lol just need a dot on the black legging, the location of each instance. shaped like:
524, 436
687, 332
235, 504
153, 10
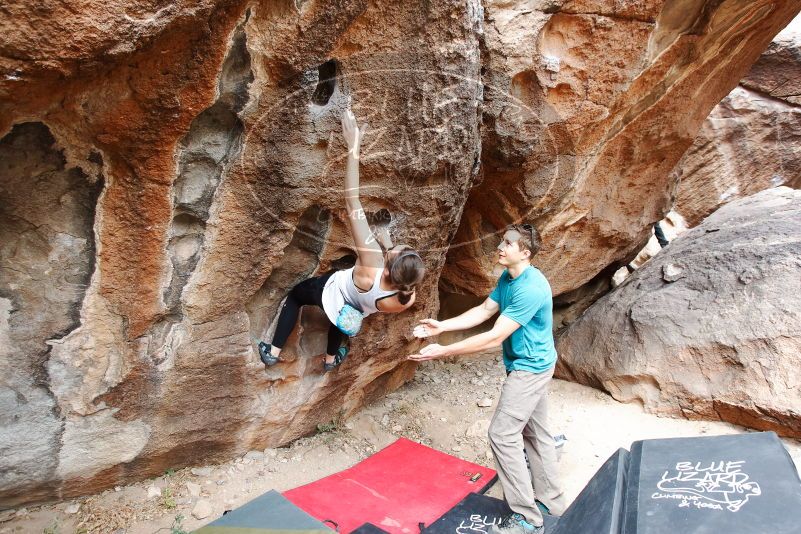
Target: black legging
307, 292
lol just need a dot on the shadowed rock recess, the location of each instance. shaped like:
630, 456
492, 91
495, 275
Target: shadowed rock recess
710, 327
170, 170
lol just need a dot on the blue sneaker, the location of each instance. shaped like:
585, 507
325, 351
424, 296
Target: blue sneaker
516, 524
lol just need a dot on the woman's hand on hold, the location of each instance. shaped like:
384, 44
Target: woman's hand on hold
352, 132
428, 328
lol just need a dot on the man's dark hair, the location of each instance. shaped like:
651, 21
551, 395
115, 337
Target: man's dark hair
529, 237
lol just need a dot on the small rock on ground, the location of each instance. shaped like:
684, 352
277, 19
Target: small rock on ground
201, 471
202, 509
486, 402
255, 456
194, 489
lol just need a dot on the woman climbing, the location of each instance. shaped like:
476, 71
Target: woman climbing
379, 282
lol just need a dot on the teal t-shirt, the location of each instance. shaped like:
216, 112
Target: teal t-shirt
527, 300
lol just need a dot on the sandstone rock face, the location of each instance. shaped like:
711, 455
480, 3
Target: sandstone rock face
170, 170
752, 140
168, 179
710, 327
47, 256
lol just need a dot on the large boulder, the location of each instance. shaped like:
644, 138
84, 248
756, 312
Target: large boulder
752, 140
710, 327
166, 180
169, 170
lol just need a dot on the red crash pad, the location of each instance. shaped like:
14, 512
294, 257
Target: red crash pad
395, 489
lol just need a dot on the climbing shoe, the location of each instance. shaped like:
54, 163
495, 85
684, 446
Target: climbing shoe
339, 357
544, 510
267, 357
516, 524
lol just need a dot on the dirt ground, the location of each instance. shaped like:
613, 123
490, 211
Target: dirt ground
439, 408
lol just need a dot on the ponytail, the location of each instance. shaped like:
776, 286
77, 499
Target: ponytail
405, 294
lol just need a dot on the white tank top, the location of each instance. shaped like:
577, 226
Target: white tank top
340, 289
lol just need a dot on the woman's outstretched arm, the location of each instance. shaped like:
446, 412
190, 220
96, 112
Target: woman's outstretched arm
368, 250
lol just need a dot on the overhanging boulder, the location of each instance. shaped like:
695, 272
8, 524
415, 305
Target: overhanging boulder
710, 328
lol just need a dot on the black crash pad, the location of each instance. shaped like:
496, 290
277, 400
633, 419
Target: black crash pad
475, 514
369, 528
270, 513
737, 484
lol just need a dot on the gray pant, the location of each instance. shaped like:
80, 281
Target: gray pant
521, 420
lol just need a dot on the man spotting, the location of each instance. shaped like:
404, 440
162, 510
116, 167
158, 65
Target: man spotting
524, 328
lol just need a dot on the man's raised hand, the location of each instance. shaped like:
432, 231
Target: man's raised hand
427, 328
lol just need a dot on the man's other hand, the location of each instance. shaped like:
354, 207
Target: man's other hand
429, 352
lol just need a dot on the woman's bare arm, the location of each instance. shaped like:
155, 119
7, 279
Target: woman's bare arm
368, 251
